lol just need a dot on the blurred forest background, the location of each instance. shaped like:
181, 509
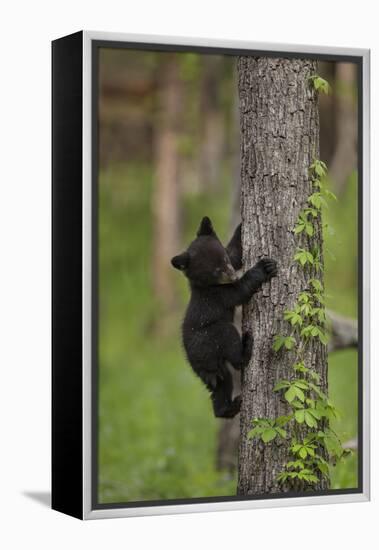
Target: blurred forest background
169, 154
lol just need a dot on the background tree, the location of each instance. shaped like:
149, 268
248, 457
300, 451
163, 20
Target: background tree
165, 200
344, 160
211, 121
279, 142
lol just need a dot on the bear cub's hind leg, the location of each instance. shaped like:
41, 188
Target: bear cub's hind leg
223, 405
239, 356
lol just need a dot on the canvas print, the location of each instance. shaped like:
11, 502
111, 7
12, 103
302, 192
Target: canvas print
227, 268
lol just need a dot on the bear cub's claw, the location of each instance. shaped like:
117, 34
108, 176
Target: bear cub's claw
269, 268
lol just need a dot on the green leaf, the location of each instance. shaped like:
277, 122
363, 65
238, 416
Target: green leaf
293, 317
312, 211
300, 367
299, 393
304, 297
310, 450
309, 419
283, 476
281, 384
316, 284
296, 404
289, 342
299, 416
333, 444
281, 432
290, 394
303, 384
323, 338
299, 228
278, 342
317, 390
268, 435
295, 464
320, 298
306, 331
310, 258
296, 319
302, 452
329, 194
324, 468
303, 256
314, 376
283, 420
306, 309
320, 85
317, 200
315, 413
310, 403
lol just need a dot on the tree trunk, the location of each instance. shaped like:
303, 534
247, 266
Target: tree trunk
279, 141
165, 203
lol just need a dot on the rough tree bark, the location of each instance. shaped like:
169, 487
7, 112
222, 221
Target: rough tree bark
279, 141
165, 201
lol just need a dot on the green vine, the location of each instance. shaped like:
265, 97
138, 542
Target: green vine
320, 84
314, 445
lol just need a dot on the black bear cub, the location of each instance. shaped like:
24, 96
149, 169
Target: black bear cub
210, 339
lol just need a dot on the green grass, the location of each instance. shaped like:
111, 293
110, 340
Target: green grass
157, 433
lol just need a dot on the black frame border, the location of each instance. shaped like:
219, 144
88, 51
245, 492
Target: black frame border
67, 257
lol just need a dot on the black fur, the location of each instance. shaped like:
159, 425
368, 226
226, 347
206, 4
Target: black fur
209, 336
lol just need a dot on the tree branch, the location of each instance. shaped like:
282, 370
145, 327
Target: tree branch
344, 332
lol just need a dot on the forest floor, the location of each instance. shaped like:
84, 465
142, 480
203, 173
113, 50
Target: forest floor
157, 433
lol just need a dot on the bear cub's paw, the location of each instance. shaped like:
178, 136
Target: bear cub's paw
268, 267
235, 407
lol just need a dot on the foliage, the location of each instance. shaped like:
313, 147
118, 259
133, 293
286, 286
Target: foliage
320, 84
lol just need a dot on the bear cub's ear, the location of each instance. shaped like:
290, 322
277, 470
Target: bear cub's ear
206, 227
181, 261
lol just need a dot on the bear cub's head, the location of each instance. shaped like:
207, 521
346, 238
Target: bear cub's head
206, 262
